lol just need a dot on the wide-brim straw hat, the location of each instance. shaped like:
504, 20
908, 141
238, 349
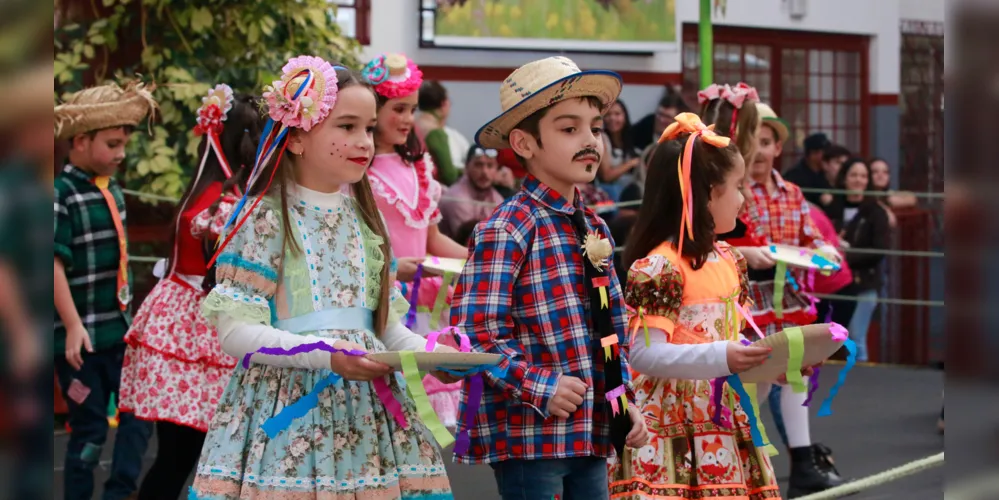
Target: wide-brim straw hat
107, 106
770, 118
540, 84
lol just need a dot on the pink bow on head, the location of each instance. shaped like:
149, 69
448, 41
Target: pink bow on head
739, 94
714, 91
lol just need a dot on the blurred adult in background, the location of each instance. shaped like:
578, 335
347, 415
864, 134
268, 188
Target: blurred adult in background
26, 176
473, 197
881, 181
622, 166
862, 223
649, 128
808, 173
447, 147
832, 160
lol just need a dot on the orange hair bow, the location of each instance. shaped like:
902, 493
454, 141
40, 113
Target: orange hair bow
689, 123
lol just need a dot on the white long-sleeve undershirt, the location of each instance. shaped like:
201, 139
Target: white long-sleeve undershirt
662, 359
239, 338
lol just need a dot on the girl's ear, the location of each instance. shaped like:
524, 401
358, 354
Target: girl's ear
295, 145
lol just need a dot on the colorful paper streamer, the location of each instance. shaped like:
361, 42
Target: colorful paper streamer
601, 283
274, 425
392, 404
717, 390
795, 358
613, 395
411, 314
441, 300
414, 384
780, 281
609, 344
756, 430
851, 360
813, 385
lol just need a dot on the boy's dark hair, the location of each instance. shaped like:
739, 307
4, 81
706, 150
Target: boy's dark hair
835, 151
432, 95
659, 216
672, 99
531, 123
93, 133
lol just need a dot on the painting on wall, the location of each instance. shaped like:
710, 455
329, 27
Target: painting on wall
568, 25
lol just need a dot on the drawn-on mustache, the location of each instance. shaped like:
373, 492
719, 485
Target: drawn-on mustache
586, 152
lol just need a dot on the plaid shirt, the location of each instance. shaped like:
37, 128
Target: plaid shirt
86, 242
523, 294
782, 217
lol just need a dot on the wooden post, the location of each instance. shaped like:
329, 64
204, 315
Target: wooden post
705, 39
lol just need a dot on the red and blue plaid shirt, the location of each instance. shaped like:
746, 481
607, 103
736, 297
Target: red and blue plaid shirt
523, 294
782, 216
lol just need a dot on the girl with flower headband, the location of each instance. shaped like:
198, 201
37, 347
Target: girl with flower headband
304, 286
170, 344
402, 178
687, 287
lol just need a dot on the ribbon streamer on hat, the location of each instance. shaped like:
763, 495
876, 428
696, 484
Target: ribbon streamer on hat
689, 123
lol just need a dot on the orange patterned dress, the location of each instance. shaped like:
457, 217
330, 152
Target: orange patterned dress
688, 456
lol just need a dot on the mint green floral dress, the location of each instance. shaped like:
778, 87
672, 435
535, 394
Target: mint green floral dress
349, 446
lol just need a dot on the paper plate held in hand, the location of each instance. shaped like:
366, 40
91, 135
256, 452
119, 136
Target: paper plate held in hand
819, 344
801, 257
444, 264
430, 361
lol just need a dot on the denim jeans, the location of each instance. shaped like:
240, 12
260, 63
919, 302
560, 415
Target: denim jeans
582, 478
861, 321
88, 421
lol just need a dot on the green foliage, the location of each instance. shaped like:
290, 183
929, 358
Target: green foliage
186, 47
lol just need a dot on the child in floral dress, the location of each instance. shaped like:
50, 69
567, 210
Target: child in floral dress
305, 263
687, 288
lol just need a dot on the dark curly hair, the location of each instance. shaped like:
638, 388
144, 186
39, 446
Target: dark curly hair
659, 216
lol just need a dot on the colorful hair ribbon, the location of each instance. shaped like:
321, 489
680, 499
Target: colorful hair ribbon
689, 123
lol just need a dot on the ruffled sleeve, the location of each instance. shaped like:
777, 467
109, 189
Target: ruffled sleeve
247, 271
433, 191
656, 286
745, 297
374, 260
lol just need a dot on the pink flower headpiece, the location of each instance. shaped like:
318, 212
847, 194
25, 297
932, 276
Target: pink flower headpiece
737, 95
214, 108
393, 75
304, 95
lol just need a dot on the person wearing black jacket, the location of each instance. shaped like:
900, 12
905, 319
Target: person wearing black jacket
862, 223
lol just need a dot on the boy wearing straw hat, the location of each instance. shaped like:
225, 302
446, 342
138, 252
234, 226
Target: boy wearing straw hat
92, 293
540, 289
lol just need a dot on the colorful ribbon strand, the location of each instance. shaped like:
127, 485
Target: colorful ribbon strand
414, 384
813, 386
780, 281
851, 360
411, 314
795, 357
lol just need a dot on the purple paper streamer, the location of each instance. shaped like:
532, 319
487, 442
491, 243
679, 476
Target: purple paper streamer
302, 349
829, 313
812, 386
474, 399
717, 388
745, 342
411, 314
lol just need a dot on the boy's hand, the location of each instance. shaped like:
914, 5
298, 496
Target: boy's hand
445, 377
743, 357
76, 338
568, 396
639, 434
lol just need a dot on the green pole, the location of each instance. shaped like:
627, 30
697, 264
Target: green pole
706, 40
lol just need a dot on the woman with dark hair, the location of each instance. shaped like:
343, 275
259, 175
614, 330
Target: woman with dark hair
621, 167
862, 223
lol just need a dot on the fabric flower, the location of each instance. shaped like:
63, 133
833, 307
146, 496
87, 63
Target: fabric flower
393, 75
214, 108
293, 106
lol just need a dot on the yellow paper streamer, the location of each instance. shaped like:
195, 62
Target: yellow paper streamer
624, 403
441, 300
603, 298
414, 383
768, 447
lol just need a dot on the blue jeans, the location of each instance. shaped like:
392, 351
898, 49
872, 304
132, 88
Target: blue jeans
861, 320
88, 421
570, 478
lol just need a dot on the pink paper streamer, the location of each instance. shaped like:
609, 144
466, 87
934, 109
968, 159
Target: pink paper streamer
388, 399
749, 319
838, 333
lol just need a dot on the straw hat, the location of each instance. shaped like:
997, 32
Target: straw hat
540, 84
103, 107
770, 118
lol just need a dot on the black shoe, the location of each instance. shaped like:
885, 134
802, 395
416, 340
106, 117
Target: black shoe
812, 471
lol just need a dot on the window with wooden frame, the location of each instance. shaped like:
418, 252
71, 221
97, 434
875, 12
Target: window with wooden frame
354, 18
817, 82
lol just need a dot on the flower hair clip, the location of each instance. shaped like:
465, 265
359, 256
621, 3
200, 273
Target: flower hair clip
393, 75
214, 108
304, 95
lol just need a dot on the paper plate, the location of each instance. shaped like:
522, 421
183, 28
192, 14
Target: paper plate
430, 361
819, 345
444, 265
801, 257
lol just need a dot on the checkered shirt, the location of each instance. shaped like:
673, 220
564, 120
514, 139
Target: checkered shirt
523, 294
782, 217
86, 242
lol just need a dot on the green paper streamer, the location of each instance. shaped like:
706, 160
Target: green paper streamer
796, 354
780, 281
414, 382
768, 447
441, 300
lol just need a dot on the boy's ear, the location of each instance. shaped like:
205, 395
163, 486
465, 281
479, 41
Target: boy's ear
523, 143
80, 142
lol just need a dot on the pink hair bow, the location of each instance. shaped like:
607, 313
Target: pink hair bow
714, 91
739, 94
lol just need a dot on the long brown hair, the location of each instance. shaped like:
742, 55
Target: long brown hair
362, 193
719, 113
412, 149
662, 206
